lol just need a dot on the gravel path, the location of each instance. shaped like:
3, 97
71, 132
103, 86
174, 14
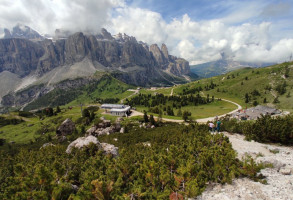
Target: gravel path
279, 178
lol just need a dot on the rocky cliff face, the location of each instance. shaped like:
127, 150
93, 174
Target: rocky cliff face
22, 56
130, 61
19, 56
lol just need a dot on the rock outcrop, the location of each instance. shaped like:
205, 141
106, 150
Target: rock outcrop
82, 142
104, 128
66, 128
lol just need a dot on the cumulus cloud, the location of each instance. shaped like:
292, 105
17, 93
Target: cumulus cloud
203, 41
146, 25
48, 15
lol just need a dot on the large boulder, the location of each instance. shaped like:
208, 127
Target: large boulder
66, 128
82, 142
110, 149
85, 141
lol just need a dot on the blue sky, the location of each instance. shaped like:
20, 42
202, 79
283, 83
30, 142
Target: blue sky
213, 9
197, 30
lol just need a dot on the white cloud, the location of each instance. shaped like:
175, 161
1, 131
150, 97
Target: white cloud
203, 41
146, 25
48, 15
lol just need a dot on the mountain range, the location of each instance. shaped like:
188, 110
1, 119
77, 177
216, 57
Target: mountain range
32, 65
222, 66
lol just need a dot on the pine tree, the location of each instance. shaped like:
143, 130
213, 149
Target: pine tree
185, 115
85, 113
58, 110
145, 117
152, 120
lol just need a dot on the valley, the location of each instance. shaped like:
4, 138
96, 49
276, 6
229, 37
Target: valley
57, 141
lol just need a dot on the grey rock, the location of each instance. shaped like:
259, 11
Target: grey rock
82, 142
85, 141
19, 56
91, 130
47, 145
122, 130
66, 128
158, 54
110, 149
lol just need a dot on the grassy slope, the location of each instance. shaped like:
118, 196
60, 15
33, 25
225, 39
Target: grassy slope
105, 87
198, 112
112, 88
257, 79
30, 129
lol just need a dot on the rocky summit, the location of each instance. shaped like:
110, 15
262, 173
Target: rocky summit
34, 61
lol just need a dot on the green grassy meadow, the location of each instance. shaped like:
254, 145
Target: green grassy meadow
198, 112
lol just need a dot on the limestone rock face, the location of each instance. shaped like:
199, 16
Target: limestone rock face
181, 67
158, 54
66, 128
105, 35
19, 56
165, 51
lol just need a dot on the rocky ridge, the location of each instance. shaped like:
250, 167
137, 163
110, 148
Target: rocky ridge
121, 55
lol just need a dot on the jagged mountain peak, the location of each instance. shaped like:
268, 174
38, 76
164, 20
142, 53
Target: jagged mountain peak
80, 55
22, 31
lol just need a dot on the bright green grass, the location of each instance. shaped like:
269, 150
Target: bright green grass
164, 91
26, 132
114, 89
258, 78
23, 133
202, 111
